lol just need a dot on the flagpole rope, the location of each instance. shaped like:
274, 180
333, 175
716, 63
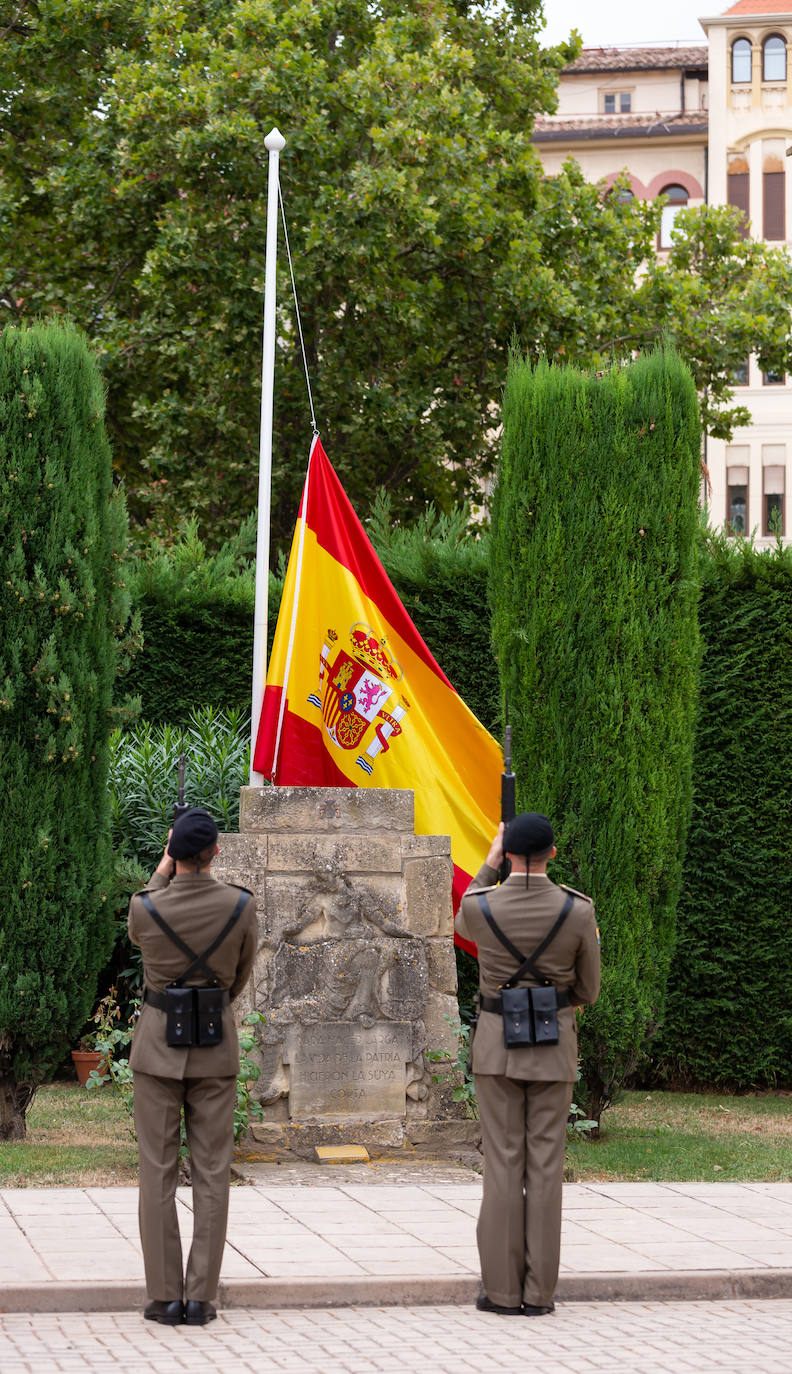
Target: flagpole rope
314, 425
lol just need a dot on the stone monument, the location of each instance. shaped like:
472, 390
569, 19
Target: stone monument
355, 973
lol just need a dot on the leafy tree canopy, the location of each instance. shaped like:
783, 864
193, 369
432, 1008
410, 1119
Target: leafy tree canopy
719, 297
133, 181
133, 196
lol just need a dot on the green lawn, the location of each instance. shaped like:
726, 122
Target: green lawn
78, 1138
685, 1137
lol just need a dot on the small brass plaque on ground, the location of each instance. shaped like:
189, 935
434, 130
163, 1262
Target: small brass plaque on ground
342, 1154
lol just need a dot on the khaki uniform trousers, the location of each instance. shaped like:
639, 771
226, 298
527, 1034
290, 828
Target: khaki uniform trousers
209, 1124
523, 1129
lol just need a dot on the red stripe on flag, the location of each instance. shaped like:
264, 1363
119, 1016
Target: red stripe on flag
461, 883
332, 518
303, 760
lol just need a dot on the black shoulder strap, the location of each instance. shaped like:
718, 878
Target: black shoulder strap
197, 960
527, 965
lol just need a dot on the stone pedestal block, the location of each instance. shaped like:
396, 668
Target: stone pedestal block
355, 972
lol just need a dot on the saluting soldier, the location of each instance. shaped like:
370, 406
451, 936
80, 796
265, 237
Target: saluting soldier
524, 1093
198, 940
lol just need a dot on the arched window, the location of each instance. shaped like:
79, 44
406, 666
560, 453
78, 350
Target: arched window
773, 59
741, 60
621, 193
677, 200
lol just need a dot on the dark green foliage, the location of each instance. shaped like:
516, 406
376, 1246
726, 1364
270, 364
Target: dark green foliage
594, 586
197, 622
63, 606
197, 613
729, 1011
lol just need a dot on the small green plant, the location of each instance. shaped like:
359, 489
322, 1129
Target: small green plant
579, 1126
112, 1036
458, 1070
112, 1039
248, 1108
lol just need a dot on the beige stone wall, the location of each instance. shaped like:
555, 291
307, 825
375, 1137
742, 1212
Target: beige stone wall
749, 129
651, 92
355, 971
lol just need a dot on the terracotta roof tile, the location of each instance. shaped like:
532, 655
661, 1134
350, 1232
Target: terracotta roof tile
641, 59
552, 128
760, 7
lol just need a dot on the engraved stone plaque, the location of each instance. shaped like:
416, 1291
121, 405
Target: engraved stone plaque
341, 1069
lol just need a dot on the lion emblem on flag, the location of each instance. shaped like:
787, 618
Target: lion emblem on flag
361, 707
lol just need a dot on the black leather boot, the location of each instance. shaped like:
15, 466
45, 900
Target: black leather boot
199, 1313
168, 1313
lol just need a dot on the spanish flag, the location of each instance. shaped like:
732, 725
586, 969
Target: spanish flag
353, 696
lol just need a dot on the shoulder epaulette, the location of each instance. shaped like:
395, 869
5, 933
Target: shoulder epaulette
239, 886
474, 891
582, 895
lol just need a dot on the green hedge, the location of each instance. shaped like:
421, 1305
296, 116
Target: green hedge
594, 591
729, 1009
63, 611
196, 613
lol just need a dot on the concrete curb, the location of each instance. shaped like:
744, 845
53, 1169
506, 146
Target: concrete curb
697, 1285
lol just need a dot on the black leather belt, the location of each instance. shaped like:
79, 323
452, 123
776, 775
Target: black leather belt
159, 1000
495, 1004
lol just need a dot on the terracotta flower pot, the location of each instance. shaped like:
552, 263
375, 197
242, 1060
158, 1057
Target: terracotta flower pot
85, 1061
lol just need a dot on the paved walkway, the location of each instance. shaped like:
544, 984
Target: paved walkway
335, 1240
581, 1338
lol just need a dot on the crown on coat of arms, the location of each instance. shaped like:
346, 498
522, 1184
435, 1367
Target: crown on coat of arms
373, 654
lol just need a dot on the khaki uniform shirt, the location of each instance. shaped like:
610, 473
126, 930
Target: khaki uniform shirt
571, 962
197, 907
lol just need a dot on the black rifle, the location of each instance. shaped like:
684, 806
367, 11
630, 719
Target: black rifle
180, 807
508, 781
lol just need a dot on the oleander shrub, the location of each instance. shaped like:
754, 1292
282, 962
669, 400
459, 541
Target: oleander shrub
144, 771
594, 587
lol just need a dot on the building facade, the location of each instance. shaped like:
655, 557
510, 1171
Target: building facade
709, 123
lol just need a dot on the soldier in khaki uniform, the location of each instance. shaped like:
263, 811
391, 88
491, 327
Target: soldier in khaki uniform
201, 1079
524, 1093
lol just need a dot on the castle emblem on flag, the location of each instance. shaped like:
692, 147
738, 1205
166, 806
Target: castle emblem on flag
358, 694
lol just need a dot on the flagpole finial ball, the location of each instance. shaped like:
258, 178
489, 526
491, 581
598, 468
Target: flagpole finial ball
274, 142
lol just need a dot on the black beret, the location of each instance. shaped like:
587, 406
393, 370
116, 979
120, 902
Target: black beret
528, 833
192, 833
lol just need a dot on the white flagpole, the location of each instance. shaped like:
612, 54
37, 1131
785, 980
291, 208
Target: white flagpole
274, 142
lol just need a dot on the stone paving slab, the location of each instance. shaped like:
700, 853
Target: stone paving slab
351, 1243
598, 1338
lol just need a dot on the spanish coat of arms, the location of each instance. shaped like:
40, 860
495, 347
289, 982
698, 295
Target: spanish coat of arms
355, 687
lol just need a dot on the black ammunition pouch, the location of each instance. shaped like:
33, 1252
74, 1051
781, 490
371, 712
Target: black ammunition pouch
193, 1016
517, 1017
179, 1017
530, 1014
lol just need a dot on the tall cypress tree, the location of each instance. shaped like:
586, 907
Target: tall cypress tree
594, 587
62, 608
